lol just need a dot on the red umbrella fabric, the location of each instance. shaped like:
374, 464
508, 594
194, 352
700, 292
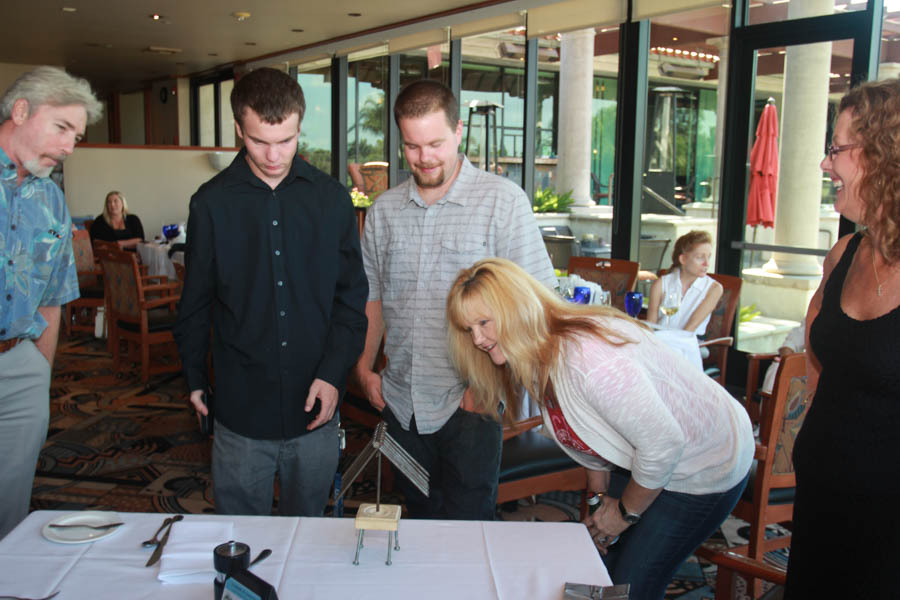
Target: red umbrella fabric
764, 170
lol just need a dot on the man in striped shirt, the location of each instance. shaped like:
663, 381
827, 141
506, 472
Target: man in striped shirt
418, 236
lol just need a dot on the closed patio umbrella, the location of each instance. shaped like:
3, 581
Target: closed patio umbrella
764, 170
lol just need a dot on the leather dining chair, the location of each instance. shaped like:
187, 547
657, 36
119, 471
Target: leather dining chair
614, 275
134, 316
532, 464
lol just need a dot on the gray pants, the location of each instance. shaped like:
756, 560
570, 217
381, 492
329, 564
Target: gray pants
24, 416
244, 470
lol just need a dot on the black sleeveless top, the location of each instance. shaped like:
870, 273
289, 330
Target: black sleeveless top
850, 439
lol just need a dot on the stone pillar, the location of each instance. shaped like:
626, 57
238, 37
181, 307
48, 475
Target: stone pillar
721, 44
804, 113
888, 70
576, 82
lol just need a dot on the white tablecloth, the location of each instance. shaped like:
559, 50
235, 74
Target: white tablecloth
156, 257
683, 342
312, 558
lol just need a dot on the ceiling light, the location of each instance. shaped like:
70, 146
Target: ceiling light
162, 50
249, 43
69, 9
241, 15
155, 16
297, 30
354, 14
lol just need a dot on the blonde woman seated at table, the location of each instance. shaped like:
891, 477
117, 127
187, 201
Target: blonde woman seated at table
612, 395
696, 293
115, 224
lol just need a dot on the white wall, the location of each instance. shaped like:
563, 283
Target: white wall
157, 183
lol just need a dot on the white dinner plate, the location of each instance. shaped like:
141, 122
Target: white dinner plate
80, 535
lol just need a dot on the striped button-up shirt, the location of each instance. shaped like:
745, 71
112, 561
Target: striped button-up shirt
412, 254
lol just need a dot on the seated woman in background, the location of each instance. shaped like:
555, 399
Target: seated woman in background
116, 225
694, 294
612, 395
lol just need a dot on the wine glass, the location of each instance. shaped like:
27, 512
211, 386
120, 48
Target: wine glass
634, 301
671, 302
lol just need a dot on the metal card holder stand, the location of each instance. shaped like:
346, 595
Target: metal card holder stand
378, 516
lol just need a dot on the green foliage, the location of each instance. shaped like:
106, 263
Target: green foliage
546, 200
748, 313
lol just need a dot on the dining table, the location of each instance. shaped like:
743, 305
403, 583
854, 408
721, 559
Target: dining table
156, 256
311, 558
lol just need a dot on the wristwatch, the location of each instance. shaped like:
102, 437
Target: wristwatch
630, 517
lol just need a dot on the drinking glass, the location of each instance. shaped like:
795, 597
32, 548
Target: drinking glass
604, 298
634, 301
671, 302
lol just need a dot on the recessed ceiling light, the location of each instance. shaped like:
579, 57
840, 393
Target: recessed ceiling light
241, 15
213, 53
155, 16
69, 9
297, 30
249, 43
674, 38
354, 14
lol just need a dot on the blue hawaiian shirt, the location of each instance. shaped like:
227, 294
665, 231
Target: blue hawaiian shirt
38, 265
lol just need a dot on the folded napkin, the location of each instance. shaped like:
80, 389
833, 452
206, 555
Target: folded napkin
188, 556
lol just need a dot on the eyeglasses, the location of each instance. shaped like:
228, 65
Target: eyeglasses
833, 150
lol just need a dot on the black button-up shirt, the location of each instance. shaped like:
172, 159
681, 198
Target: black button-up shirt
278, 275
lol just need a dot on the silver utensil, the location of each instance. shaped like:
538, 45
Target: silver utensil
21, 598
67, 525
157, 553
260, 557
154, 541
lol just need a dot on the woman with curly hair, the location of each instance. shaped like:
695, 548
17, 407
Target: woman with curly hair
846, 456
612, 395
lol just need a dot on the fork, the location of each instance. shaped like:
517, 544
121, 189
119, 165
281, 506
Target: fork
101, 527
21, 598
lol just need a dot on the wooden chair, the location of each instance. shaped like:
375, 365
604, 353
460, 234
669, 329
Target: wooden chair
769, 497
81, 313
755, 398
533, 464
131, 314
719, 336
614, 275
732, 566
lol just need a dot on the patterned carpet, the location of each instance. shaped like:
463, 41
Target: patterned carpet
116, 444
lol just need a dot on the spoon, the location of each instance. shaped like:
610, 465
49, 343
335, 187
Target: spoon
260, 557
153, 541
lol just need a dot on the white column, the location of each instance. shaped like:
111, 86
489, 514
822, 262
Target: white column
803, 120
888, 70
576, 80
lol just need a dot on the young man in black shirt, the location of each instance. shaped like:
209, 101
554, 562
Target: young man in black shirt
274, 267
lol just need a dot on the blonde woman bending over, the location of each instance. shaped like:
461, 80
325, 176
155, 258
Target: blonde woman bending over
668, 447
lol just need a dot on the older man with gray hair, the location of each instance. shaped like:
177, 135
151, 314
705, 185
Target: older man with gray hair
42, 116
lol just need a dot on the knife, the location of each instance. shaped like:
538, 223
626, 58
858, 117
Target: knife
157, 552
101, 527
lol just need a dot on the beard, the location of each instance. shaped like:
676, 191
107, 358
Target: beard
436, 180
40, 171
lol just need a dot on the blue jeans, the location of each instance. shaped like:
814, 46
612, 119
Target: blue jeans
649, 553
463, 462
244, 470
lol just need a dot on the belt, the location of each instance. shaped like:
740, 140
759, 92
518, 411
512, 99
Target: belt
6, 345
